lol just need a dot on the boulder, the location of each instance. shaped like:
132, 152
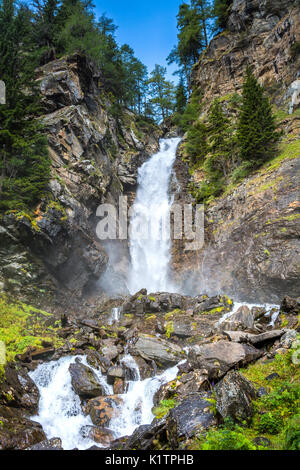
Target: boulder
50, 444
97, 361
17, 432
237, 336
188, 383
287, 340
164, 353
84, 381
290, 305
234, 396
101, 435
119, 387
218, 303
103, 409
194, 414
183, 327
113, 373
264, 338
148, 437
227, 353
19, 390
243, 319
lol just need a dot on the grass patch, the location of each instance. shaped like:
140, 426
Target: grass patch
164, 407
22, 325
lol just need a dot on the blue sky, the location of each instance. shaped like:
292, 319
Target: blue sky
148, 26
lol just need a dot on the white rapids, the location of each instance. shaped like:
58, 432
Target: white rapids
60, 412
150, 241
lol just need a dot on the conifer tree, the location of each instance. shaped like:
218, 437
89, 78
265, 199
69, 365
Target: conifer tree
257, 135
219, 142
24, 160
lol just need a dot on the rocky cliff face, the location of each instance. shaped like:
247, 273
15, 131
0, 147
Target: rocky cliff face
252, 248
95, 154
260, 34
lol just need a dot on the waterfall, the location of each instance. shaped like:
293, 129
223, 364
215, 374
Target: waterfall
60, 412
150, 241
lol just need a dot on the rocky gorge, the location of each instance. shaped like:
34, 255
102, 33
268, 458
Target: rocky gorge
91, 367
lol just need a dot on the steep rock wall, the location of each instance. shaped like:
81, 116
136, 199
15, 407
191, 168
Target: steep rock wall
260, 34
252, 248
95, 155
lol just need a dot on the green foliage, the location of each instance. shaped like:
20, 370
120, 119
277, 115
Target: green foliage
256, 135
270, 423
162, 92
194, 25
295, 50
221, 12
24, 163
196, 144
164, 407
23, 325
227, 439
191, 112
292, 435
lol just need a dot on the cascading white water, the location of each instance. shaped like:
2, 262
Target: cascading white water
150, 245
60, 412
115, 315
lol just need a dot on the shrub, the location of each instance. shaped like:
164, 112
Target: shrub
270, 423
292, 435
227, 439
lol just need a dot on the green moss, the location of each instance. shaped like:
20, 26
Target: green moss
169, 329
23, 325
164, 407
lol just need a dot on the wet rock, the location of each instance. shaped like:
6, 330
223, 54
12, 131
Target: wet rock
261, 441
119, 387
237, 336
219, 303
264, 338
258, 312
193, 415
191, 382
97, 361
164, 353
113, 373
262, 392
272, 377
50, 444
146, 369
227, 353
111, 352
241, 320
234, 396
147, 437
290, 305
18, 433
84, 381
183, 327
19, 390
103, 409
288, 339
101, 435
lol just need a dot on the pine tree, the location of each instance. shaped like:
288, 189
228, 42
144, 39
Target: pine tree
24, 160
219, 143
161, 92
196, 144
257, 135
221, 11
